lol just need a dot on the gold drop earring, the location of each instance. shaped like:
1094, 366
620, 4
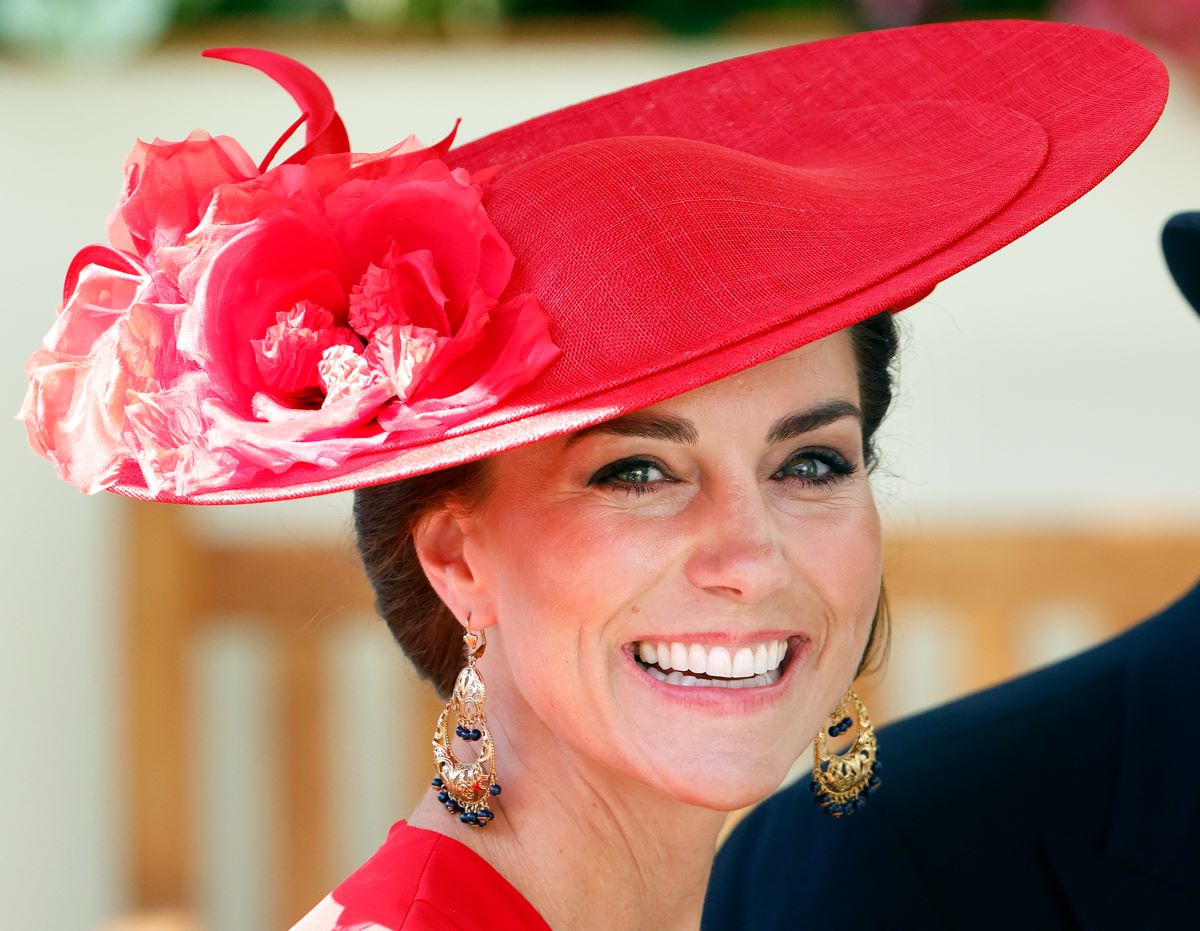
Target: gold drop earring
842, 782
466, 788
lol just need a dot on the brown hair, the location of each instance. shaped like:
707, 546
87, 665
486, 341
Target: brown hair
385, 517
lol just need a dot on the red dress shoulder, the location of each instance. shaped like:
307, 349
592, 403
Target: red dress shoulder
420, 880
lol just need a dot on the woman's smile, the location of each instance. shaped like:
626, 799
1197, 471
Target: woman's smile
718, 664
742, 671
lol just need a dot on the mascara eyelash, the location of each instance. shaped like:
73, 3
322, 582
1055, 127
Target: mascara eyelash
605, 478
840, 468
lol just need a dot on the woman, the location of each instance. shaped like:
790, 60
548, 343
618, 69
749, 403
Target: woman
1089, 860
606, 383
1099, 857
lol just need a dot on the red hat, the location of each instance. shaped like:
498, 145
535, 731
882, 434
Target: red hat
342, 320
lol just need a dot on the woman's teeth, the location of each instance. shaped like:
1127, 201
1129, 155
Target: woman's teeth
695, 664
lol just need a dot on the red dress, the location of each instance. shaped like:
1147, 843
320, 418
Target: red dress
419, 880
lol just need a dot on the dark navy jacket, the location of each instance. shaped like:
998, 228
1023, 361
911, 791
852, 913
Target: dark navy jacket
1066, 799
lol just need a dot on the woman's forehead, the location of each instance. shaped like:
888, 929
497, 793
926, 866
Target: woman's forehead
824, 369
816, 383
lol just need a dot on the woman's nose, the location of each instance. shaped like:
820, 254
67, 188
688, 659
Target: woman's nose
738, 552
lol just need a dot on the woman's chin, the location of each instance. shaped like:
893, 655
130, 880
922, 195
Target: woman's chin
725, 799
727, 787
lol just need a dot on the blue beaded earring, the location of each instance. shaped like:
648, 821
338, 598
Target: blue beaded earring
842, 782
466, 788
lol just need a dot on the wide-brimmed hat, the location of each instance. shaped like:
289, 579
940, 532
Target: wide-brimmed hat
1181, 248
342, 320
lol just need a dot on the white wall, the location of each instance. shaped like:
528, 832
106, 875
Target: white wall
1056, 383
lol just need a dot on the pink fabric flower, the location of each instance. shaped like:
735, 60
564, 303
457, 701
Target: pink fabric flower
169, 437
109, 340
403, 352
403, 287
168, 184
249, 319
289, 352
345, 373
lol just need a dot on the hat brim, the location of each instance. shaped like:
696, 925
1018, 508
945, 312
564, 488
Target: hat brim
1181, 248
1073, 103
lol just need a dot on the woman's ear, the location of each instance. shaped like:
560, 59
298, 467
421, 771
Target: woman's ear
439, 539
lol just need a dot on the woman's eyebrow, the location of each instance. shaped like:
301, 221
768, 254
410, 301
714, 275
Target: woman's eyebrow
682, 430
793, 425
648, 426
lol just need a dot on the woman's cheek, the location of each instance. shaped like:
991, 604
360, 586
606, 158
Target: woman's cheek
564, 580
836, 550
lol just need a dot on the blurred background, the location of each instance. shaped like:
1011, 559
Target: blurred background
204, 727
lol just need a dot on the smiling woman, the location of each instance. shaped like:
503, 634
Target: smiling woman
606, 384
699, 536
674, 599
428, 631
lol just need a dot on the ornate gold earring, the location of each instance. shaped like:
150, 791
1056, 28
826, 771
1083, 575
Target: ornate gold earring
842, 782
465, 788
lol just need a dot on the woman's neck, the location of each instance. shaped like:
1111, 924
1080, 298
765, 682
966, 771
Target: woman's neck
588, 848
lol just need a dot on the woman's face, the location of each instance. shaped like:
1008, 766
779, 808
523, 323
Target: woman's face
729, 530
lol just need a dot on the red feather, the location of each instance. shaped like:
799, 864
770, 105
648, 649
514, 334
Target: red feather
325, 134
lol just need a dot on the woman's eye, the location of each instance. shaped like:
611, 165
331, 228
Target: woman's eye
640, 474
632, 475
807, 467
816, 468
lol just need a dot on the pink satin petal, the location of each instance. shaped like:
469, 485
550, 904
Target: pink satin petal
423, 210
451, 371
278, 423
402, 353
326, 437
288, 354
233, 210
75, 410
102, 256
511, 351
403, 289
519, 349
55, 416
168, 187
442, 146
263, 269
99, 297
330, 173
167, 433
